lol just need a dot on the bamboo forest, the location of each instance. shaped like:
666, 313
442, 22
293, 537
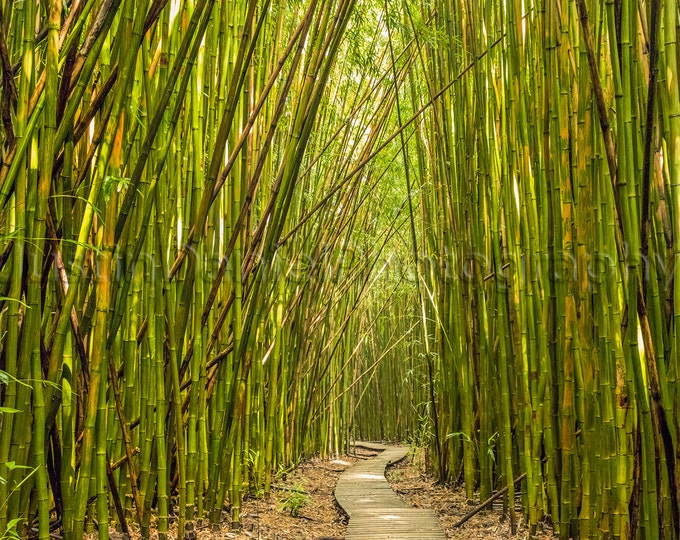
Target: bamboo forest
235, 234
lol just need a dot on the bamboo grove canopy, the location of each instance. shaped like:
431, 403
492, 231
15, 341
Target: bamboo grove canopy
237, 233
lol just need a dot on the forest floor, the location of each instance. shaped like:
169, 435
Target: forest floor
320, 518
302, 505
415, 486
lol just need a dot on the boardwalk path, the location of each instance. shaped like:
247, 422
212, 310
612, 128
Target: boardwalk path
375, 511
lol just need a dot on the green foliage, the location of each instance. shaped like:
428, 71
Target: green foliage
422, 435
459, 434
491, 443
294, 501
11, 530
5, 378
112, 183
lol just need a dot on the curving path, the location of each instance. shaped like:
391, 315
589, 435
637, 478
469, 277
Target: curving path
375, 511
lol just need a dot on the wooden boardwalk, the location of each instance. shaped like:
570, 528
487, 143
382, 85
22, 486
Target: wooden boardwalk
375, 511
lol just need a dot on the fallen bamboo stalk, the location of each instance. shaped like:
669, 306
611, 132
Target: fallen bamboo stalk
487, 502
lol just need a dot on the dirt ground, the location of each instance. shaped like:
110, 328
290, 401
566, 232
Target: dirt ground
302, 505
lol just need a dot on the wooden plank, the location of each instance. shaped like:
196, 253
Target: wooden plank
375, 511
